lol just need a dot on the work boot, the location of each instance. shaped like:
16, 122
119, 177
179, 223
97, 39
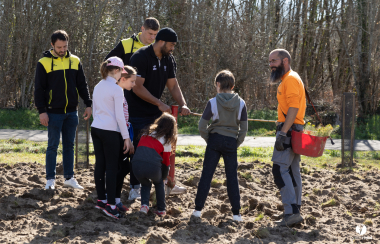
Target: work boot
290, 219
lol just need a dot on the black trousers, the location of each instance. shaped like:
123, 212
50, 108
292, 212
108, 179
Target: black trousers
124, 168
107, 153
217, 146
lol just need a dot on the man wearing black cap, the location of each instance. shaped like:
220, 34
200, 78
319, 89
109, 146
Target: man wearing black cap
156, 68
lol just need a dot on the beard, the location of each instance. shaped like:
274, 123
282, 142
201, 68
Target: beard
60, 54
165, 51
276, 74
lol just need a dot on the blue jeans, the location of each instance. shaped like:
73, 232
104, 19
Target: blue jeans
67, 124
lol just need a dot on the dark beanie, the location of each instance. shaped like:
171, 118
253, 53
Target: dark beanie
167, 35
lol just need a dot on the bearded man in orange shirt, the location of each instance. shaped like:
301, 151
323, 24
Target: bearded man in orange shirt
291, 112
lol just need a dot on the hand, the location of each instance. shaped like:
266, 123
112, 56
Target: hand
164, 108
171, 182
87, 113
280, 139
185, 110
44, 119
128, 147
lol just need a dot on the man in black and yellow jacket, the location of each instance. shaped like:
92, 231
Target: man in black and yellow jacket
127, 47
59, 82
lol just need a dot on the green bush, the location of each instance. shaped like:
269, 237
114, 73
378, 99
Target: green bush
25, 119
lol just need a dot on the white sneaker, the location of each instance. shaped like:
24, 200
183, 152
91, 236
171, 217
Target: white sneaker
134, 194
237, 218
73, 183
177, 190
144, 209
50, 184
197, 213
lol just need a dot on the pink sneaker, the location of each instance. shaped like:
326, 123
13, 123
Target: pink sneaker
160, 213
144, 209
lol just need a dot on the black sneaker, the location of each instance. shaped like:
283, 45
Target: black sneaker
113, 213
100, 205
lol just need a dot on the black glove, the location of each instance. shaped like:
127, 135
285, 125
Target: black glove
280, 140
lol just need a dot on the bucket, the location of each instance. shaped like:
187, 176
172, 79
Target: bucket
308, 145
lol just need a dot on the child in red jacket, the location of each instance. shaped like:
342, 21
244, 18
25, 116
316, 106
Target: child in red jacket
151, 160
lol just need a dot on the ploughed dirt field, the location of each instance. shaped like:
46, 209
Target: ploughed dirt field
30, 214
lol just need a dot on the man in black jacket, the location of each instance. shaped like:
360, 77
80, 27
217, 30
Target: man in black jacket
156, 69
59, 81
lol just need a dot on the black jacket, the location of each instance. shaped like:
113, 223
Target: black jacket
59, 83
126, 48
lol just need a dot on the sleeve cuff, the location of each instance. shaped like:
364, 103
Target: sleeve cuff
41, 110
293, 102
88, 103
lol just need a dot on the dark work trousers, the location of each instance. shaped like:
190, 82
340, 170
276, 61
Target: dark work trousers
147, 172
138, 125
124, 168
225, 146
107, 149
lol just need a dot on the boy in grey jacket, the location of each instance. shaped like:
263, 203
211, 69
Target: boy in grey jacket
225, 134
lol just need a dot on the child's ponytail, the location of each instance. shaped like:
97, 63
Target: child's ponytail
105, 69
165, 126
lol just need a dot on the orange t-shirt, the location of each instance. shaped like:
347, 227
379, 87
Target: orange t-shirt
291, 93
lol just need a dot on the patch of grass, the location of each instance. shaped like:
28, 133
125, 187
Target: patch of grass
331, 202
247, 176
377, 206
245, 151
216, 182
259, 217
349, 213
190, 179
261, 233
305, 170
368, 222
190, 151
317, 191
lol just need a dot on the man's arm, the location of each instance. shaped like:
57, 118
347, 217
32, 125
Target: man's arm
175, 91
140, 90
83, 91
40, 84
290, 118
